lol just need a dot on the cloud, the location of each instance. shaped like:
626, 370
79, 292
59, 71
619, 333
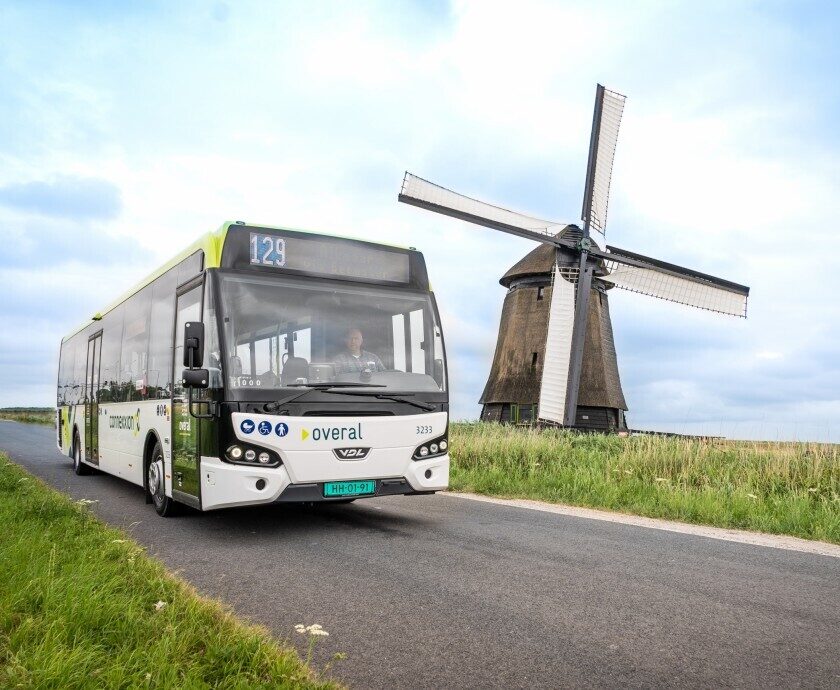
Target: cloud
65, 197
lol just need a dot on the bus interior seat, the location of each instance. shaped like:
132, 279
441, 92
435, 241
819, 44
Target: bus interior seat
294, 369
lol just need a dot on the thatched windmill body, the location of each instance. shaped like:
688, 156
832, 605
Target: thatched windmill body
555, 349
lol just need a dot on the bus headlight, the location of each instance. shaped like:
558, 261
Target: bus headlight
431, 449
240, 455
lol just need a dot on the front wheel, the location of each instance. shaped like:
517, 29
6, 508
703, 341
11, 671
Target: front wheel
78, 466
164, 505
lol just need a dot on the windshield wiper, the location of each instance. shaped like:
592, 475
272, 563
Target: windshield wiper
395, 398
339, 386
309, 387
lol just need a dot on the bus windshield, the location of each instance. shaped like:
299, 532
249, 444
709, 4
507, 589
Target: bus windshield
289, 332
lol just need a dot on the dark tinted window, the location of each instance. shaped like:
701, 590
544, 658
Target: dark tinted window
190, 267
66, 362
109, 377
135, 342
76, 393
159, 376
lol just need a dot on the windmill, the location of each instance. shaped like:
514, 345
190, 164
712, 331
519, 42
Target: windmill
578, 332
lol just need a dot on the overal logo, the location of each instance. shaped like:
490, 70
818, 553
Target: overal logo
333, 433
264, 428
247, 426
137, 422
351, 453
281, 429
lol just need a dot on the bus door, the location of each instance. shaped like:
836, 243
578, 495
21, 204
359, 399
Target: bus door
94, 355
185, 427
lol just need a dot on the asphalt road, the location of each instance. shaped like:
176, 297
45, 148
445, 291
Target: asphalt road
437, 591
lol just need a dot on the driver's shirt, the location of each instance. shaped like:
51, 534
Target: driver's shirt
346, 362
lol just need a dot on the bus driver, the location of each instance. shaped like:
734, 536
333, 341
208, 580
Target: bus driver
354, 358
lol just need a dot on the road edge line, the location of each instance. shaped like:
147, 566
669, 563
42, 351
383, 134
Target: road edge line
774, 541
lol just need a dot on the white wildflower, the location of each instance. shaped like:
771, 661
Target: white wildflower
752, 495
628, 471
315, 629
813, 489
160, 605
661, 479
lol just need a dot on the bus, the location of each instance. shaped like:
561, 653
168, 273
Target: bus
263, 365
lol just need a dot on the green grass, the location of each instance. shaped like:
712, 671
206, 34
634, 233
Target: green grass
782, 488
29, 415
78, 609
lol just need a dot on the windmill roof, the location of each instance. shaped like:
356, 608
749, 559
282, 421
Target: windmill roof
539, 261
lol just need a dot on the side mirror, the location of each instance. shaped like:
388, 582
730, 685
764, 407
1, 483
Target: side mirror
195, 378
193, 344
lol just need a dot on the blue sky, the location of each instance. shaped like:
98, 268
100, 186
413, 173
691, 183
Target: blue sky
127, 131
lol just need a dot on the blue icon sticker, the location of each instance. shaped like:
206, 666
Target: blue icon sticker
247, 426
281, 429
264, 428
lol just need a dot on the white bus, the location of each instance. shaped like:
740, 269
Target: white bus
263, 365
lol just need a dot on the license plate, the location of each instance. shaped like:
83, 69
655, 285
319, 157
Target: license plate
332, 489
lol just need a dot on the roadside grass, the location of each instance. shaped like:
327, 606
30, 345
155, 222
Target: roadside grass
81, 606
29, 415
782, 488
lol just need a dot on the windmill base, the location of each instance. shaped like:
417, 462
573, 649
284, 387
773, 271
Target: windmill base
606, 420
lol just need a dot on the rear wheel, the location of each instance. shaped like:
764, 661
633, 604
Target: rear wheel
164, 505
78, 466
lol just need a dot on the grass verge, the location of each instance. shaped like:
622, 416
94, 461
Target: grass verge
781, 488
81, 605
29, 415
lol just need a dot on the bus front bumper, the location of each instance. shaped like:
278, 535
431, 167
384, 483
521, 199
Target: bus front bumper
224, 485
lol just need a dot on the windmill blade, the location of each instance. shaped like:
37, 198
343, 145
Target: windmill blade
419, 192
606, 120
558, 349
655, 278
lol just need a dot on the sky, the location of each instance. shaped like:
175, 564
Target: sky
129, 129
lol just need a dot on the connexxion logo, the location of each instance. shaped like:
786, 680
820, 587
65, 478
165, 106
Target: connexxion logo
332, 433
127, 422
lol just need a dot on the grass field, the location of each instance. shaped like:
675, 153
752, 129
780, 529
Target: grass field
82, 606
783, 488
29, 415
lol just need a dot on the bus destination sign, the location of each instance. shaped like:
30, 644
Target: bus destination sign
329, 257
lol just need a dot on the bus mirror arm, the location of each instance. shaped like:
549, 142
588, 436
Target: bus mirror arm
211, 405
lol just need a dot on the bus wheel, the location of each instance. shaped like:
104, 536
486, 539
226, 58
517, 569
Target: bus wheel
78, 466
165, 506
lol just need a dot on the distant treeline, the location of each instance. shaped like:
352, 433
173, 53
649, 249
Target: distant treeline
29, 415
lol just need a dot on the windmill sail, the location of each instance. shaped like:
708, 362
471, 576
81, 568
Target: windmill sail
606, 120
558, 350
419, 192
655, 278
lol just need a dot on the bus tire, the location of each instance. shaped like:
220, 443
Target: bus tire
164, 505
78, 466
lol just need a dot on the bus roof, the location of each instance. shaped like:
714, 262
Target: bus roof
211, 244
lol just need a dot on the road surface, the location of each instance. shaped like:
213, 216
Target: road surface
438, 591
